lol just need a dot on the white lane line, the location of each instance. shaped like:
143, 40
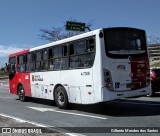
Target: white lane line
64, 112
23, 120
137, 103
81, 115
5, 97
40, 125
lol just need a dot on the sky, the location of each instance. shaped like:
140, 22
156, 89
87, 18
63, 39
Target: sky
21, 20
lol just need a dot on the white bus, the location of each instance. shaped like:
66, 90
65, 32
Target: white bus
97, 66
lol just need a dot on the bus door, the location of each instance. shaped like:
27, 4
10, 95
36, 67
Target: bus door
12, 75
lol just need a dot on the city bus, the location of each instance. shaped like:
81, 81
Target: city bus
93, 67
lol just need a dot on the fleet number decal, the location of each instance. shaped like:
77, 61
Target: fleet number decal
85, 73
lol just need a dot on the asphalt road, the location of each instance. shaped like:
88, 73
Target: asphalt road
142, 112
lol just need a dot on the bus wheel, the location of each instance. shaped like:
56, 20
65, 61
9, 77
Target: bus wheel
21, 94
61, 98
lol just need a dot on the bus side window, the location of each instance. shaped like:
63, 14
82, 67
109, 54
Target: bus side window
57, 51
44, 62
31, 62
50, 54
55, 58
38, 60
83, 56
65, 51
64, 63
45, 55
38, 55
71, 47
29, 57
32, 66
57, 55
21, 63
80, 47
90, 45
38, 65
64, 59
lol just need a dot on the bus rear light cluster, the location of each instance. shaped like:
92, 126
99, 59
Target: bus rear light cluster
108, 79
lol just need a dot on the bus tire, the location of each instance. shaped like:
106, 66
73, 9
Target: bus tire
21, 94
61, 97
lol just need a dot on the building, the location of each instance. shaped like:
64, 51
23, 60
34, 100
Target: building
154, 51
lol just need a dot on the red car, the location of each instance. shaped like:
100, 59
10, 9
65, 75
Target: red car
155, 80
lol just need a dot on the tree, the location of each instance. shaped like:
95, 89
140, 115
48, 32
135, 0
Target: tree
3, 69
58, 33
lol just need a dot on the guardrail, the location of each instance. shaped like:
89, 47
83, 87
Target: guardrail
4, 77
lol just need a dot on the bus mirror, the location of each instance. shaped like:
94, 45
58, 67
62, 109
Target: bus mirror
7, 68
100, 35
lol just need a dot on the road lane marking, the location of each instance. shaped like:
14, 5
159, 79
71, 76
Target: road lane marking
5, 97
64, 112
23, 120
57, 129
4, 84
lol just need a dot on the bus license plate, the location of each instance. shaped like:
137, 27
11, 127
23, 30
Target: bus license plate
133, 85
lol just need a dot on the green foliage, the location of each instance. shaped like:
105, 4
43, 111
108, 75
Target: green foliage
156, 65
58, 33
3, 72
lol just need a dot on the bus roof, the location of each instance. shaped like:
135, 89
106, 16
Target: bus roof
66, 40
70, 39
18, 53
87, 34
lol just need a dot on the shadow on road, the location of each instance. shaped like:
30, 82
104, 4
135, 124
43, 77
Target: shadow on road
122, 108
40, 101
118, 108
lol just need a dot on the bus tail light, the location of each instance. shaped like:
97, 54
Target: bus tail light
108, 79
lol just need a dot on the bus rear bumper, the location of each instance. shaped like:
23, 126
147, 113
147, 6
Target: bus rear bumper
112, 95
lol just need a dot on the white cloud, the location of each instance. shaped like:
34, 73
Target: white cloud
6, 50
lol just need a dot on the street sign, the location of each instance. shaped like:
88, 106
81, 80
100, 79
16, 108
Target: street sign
75, 26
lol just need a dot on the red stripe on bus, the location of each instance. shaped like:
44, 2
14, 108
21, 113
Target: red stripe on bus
18, 53
139, 68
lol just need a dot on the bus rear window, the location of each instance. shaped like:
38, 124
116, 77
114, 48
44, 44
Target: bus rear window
124, 41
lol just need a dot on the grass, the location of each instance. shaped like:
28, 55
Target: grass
155, 65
